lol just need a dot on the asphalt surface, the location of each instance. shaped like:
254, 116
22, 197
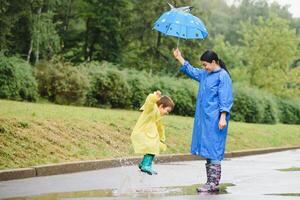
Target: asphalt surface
254, 177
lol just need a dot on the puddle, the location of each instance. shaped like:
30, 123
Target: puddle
141, 192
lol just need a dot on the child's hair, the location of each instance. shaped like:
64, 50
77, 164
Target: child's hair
165, 101
209, 56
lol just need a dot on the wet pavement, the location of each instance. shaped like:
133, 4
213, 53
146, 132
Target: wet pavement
254, 177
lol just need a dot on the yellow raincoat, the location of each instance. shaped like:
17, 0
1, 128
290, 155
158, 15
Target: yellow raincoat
148, 135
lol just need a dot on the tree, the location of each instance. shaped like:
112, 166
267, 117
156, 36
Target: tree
151, 50
250, 10
104, 23
44, 39
270, 48
230, 54
14, 26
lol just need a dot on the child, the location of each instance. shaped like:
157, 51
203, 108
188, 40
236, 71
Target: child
148, 135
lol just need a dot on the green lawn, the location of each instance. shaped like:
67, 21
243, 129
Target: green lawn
32, 134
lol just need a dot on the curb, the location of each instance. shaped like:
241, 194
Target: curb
17, 173
71, 167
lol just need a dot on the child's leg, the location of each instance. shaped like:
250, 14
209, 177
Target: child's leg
147, 165
152, 158
142, 162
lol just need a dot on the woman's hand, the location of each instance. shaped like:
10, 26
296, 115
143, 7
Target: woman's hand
178, 56
222, 122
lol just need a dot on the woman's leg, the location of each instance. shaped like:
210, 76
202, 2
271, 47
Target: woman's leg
213, 172
216, 171
207, 167
216, 166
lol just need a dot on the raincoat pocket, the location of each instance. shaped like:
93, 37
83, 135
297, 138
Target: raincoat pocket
152, 134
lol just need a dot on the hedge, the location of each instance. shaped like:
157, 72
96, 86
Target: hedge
106, 85
61, 82
17, 81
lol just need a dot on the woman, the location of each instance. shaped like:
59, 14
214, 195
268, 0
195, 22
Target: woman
213, 106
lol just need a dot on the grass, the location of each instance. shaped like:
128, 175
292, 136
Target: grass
291, 169
35, 133
287, 194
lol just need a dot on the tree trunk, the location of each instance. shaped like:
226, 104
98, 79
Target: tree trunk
86, 46
66, 25
37, 53
92, 49
29, 51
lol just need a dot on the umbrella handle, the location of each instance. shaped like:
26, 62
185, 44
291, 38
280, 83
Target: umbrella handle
178, 42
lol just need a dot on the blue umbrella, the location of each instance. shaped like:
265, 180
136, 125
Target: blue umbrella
180, 23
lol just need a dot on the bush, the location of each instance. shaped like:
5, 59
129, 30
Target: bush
182, 91
245, 107
16, 79
129, 88
271, 112
108, 88
139, 85
184, 102
254, 106
105, 85
289, 112
61, 82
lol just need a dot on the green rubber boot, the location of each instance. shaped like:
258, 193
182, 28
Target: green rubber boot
147, 165
142, 162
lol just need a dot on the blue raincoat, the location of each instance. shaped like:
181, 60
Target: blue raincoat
214, 96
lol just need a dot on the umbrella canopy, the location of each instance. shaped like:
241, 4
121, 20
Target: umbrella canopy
179, 23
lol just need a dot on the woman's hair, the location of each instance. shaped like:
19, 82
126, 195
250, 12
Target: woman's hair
209, 56
165, 101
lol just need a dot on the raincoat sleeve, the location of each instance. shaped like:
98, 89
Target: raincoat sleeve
150, 102
162, 136
192, 72
225, 93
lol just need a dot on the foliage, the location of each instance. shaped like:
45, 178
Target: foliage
14, 31
61, 82
16, 79
258, 41
44, 37
108, 87
109, 84
105, 21
139, 87
230, 54
269, 51
254, 106
289, 112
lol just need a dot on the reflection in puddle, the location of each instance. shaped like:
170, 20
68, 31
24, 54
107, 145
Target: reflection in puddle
141, 192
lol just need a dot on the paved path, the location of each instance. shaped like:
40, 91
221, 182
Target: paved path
254, 176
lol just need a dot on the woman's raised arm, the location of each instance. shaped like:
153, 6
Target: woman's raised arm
189, 70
